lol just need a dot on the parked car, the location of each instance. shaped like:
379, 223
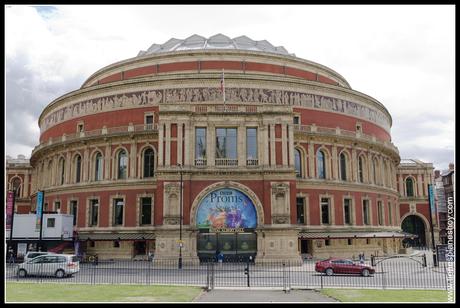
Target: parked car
33, 254
342, 266
59, 265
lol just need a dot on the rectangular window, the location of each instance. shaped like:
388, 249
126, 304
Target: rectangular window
390, 214
50, 223
325, 203
366, 214
380, 212
327, 242
226, 146
73, 211
368, 241
347, 211
251, 146
200, 146
300, 211
116, 244
146, 211
57, 206
296, 120
149, 120
94, 209
118, 212
350, 241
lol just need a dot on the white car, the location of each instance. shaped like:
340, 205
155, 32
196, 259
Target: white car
58, 265
33, 254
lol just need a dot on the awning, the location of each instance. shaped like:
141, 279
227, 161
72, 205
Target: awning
115, 236
382, 234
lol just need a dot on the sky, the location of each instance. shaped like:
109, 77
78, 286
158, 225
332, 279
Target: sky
401, 55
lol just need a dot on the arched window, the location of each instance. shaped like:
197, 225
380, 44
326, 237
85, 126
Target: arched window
77, 169
374, 168
361, 169
321, 164
62, 170
16, 186
343, 167
409, 187
98, 167
149, 163
122, 165
298, 163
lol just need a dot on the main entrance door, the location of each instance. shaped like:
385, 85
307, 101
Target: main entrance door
226, 219
237, 246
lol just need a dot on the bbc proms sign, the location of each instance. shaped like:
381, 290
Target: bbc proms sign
226, 209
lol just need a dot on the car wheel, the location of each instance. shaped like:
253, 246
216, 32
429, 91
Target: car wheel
365, 272
22, 273
329, 272
60, 274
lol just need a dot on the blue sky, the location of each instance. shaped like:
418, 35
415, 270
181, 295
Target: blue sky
403, 56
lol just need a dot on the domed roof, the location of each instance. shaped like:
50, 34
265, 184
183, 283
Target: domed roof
218, 41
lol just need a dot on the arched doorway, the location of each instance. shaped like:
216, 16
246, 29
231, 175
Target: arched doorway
226, 219
414, 225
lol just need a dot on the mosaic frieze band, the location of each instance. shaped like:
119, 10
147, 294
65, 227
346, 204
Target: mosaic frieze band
233, 95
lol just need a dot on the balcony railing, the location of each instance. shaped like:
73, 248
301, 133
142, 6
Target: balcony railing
226, 162
252, 162
99, 132
225, 108
200, 162
313, 129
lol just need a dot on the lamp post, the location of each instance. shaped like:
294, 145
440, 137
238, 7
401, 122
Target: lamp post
180, 219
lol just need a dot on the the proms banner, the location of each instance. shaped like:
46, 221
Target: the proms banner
39, 210
226, 208
9, 209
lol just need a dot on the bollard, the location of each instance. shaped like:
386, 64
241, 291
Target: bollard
424, 260
246, 272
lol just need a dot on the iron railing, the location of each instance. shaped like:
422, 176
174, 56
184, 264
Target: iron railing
392, 273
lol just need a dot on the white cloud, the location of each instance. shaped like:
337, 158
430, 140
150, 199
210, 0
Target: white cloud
403, 56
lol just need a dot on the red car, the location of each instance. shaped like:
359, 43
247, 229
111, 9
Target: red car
342, 266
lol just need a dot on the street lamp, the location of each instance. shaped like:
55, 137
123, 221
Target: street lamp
180, 219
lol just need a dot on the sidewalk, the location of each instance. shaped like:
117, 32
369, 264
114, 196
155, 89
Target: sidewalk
264, 296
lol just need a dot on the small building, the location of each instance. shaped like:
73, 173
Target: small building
57, 233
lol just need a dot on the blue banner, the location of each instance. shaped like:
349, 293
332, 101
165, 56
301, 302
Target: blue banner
39, 210
226, 208
432, 202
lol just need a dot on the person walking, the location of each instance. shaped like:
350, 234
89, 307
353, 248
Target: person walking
361, 258
220, 258
11, 255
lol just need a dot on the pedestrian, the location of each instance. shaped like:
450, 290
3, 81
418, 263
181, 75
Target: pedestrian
220, 258
11, 255
361, 258
96, 259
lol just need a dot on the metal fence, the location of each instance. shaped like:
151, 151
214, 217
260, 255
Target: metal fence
390, 273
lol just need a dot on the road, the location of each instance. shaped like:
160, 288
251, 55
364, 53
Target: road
399, 274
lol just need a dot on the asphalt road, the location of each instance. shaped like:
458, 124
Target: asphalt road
397, 274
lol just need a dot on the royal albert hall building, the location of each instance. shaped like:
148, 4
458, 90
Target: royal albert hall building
293, 163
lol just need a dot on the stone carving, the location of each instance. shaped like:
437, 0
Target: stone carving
280, 219
171, 205
233, 95
279, 189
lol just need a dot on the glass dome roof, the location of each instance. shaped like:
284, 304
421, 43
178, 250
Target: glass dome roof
218, 41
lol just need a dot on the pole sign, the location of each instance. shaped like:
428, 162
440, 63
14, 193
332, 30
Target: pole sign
9, 209
432, 202
39, 210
